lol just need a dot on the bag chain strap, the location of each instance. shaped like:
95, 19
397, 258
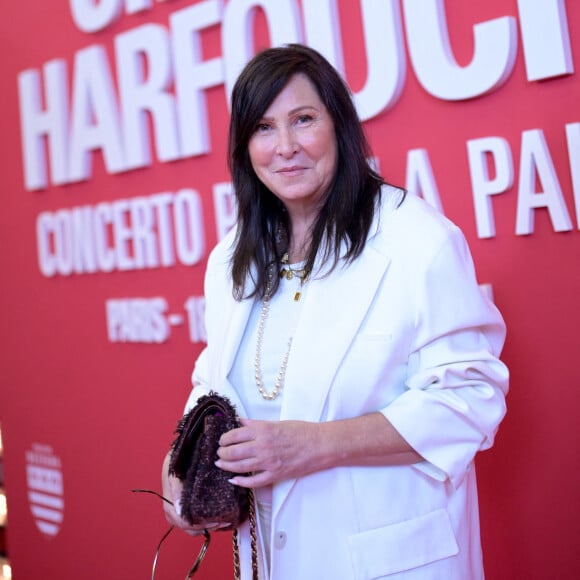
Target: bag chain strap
254, 543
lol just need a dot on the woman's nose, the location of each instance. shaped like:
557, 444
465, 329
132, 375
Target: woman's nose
287, 144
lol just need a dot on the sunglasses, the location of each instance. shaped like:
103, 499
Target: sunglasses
202, 551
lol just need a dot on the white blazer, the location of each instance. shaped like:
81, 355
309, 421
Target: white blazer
404, 330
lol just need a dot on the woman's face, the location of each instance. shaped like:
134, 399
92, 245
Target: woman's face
293, 149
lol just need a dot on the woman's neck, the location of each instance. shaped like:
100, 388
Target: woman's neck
300, 237
299, 246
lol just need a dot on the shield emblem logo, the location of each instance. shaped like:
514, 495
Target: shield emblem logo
45, 488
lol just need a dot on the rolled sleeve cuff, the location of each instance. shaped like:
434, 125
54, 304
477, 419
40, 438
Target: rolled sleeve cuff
446, 443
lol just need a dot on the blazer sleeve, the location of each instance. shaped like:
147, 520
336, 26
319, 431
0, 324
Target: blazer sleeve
455, 390
217, 292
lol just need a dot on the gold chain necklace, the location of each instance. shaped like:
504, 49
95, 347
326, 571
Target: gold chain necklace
269, 396
288, 272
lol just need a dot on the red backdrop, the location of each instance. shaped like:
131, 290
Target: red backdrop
112, 152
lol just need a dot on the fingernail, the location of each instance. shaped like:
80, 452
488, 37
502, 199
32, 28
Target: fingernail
177, 506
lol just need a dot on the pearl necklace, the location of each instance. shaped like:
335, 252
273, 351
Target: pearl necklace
279, 383
258, 358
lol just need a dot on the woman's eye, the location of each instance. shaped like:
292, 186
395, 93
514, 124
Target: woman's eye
303, 119
262, 127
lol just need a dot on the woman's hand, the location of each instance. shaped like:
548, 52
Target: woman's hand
270, 450
172, 490
275, 450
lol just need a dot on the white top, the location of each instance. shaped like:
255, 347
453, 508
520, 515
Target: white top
279, 328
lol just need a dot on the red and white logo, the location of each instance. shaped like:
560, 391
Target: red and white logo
45, 488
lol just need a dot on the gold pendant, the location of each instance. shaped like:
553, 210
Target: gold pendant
297, 295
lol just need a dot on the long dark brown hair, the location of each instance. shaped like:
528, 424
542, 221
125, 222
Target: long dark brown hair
349, 204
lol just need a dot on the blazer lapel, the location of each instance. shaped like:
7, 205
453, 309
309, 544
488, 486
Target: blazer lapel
234, 325
334, 308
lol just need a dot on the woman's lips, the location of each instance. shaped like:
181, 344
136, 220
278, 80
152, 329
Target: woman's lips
290, 170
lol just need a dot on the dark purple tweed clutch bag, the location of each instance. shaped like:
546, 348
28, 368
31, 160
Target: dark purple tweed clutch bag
207, 495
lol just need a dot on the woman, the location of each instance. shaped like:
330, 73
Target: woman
345, 322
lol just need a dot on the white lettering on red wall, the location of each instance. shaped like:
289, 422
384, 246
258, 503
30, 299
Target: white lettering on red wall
101, 118
143, 100
44, 481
